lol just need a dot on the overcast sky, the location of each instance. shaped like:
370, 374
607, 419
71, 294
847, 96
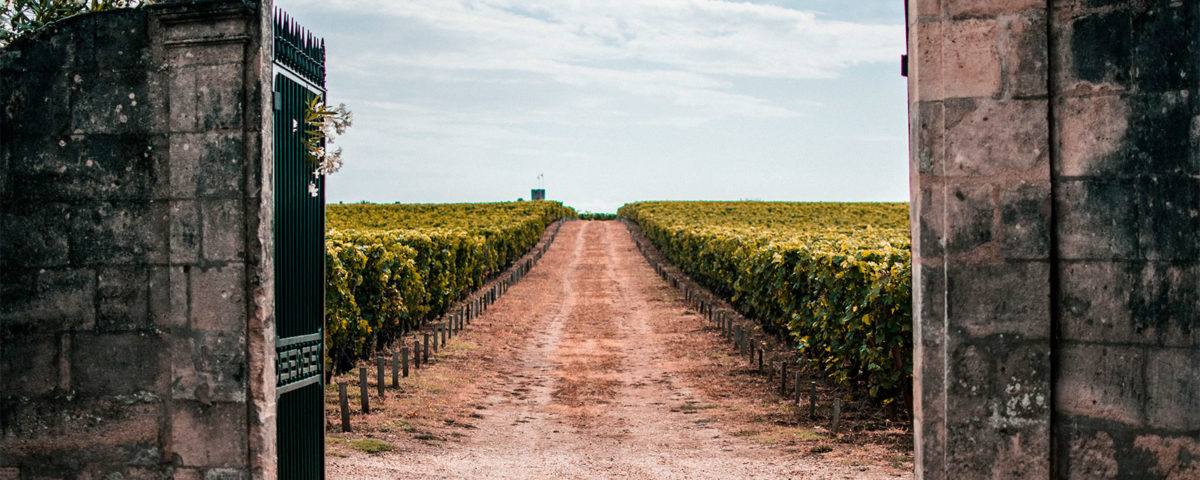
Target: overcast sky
616, 101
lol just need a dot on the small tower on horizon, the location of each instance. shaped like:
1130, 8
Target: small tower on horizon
540, 192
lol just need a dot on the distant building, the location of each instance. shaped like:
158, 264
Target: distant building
537, 194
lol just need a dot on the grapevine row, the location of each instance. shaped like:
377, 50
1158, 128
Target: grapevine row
391, 267
834, 278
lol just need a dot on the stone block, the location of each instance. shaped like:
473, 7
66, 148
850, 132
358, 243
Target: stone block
1165, 48
930, 235
1101, 382
1094, 306
35, 235
210, 30
1159, 139
218, 302
61, 435
969, 220
122, 299
117, 363
981, 8
209, 367
114, 102
1172, 457
125, 40
209, 435
31, 108
115, 233
980, 450
225, 474
1006, 298
1091, 134
1100, 49
1173, 389
207, 165
220, 96
86, 168
930, 130
48, 300
928, 58
185, 232
1092, 456
1165, 303
971, 60
224, 229
181, 100
1025, 54
1097, 219
1024, 227
986, 137
230, 52
169, 296
29, 365
1168, 213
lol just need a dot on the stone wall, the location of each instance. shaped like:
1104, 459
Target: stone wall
135, 303
1056, 238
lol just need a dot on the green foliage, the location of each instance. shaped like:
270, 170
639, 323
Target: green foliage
390, 267
370, 445
835, 277
23, 16
597, 216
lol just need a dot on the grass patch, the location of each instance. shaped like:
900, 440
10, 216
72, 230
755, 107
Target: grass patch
371, 445
820, 449
401, 425
428, 437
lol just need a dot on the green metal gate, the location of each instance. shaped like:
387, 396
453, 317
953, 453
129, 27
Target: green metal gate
299, 76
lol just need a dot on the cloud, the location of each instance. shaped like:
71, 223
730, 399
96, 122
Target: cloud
685, 52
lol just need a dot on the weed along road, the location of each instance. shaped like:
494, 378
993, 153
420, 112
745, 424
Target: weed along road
593, 367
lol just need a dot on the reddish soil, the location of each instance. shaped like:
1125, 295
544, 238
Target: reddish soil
592, 367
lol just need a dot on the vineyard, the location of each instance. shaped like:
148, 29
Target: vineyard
834, 278
391, 267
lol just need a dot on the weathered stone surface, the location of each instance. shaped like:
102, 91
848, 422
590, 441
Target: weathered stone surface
48, 300
209, 367
218, 303
1173, 397
224, 234
30, 368
986, 137
970, 217
1097, 219
119, 233
970, 59
978, 301
116, 156
185, 232
36, 236
117, 363
1104, 382
201, 435
1092, 129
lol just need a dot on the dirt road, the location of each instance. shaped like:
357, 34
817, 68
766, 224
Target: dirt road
599, 378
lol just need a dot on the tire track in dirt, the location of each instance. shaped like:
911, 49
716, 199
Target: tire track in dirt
592, 392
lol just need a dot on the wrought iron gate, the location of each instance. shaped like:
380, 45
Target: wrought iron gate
299, 76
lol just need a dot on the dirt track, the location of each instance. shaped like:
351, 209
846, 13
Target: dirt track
595, 376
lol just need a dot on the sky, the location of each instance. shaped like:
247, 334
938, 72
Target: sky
615, 101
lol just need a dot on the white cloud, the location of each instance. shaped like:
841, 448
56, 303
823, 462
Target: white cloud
686, 51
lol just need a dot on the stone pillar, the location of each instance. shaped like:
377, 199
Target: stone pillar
981, 238
136, 336
1055, 221
1127, 202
